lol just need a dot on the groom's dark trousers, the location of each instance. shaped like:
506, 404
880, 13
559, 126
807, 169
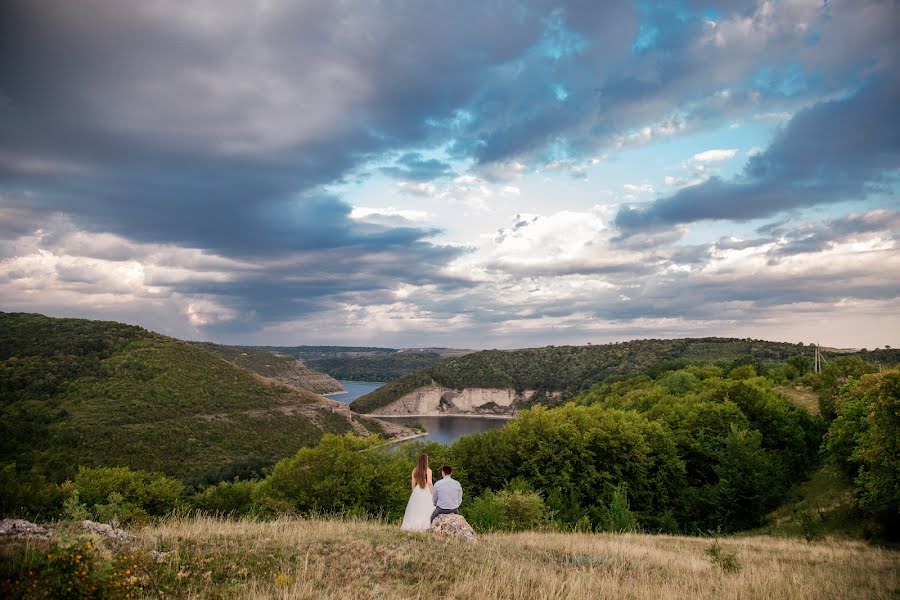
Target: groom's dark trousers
444, 511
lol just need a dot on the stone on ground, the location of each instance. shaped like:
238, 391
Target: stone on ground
453, 525
22, 528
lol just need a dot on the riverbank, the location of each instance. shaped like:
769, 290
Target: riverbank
430, 415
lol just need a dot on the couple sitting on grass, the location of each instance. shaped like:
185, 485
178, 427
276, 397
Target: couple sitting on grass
428, 500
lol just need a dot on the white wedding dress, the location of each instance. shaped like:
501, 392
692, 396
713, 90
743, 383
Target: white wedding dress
418, 510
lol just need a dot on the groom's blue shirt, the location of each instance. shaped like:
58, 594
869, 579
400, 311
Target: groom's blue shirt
447, 493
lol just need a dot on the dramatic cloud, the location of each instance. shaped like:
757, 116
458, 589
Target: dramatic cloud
270, 171
835, 151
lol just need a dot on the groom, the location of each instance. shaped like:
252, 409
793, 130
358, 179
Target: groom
447, 494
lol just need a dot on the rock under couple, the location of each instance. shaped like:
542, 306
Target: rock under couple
428, 500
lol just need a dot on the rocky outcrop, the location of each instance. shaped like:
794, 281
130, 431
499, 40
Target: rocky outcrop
453, 526
22, 529
437, 400
107, 531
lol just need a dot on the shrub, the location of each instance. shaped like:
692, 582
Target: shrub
742, 372
74, 568
125, 495
617, 516
227, 498
510, 509
722, 558
27, 494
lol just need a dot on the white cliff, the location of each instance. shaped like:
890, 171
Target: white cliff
437, 400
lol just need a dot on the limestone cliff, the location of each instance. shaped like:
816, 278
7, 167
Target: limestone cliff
438, 400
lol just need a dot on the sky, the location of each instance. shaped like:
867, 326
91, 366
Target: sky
466, 174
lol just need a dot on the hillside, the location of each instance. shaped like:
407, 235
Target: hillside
280, 368
365, 363
298, 558
570, 369
76, 392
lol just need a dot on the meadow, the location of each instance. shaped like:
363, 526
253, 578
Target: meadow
201, 557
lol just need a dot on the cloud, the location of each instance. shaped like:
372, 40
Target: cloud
834, 151
170, 163
413, 166
717, 155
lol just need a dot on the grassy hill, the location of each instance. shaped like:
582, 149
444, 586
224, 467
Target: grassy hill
278, 367
95, 393
331, 559
365, 363
570, 369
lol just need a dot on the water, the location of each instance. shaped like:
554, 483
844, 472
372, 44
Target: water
355, 389
444, 430
447, 430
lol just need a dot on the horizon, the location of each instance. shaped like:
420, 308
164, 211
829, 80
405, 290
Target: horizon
521, 175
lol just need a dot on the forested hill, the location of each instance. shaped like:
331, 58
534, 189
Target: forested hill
570, 369
97, 393
366, 363
284, 369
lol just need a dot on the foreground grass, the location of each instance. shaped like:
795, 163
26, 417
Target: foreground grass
355, 559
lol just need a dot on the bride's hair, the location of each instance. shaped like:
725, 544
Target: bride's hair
419, 473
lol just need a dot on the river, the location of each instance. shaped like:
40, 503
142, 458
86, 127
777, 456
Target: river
444, 430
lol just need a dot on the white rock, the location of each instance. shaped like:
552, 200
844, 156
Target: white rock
453, 525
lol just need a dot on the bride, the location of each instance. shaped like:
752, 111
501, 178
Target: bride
420, 506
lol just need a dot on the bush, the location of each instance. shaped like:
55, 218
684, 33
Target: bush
227, 498
510, 509
617, 516
27, 494
118, 493
722, 558
74, 568
742, 372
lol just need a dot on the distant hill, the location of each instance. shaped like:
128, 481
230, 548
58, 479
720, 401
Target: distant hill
366, 363
278, 367
565, 370
96, 393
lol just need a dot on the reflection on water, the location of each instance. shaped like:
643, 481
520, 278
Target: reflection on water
447, 430
444, 430
355, 389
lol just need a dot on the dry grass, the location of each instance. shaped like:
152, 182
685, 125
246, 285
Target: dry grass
801, 396
355, 559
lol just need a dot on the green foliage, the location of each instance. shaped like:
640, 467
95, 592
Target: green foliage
363, 363
343, 474
741, 442
76, 392
618, 516
74, 568
834, 376
742, 372
864, 439
571, 369
122, 495
227, 498
27, 494
284, 369
724, 559
510, 509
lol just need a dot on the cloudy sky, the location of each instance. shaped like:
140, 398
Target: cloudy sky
471, 174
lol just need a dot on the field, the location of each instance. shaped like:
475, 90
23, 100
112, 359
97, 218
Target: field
322, 559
